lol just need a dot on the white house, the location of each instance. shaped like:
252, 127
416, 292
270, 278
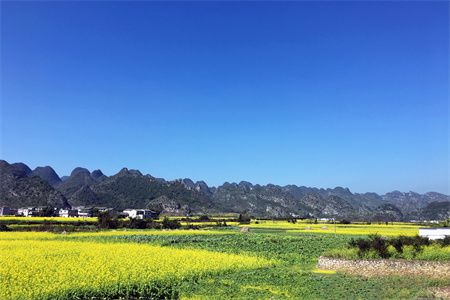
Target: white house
84, 212
434, 233
139, 213
105, 209
67, 213
28, 211
7, 211
325, 219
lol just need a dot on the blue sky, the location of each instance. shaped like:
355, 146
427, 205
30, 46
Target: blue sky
320, 94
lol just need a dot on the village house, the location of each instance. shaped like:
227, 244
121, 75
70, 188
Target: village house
68, 213
84, 212
7, 211
105, 209
325, 220
140, 213
28, 211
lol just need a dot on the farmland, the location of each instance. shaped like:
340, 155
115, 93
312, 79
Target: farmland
14, 219
69, 269
386, 229
277, 260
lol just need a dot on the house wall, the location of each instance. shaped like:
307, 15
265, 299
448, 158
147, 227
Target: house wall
383, 267
434, 233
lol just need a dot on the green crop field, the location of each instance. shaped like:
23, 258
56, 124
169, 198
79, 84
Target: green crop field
186, 264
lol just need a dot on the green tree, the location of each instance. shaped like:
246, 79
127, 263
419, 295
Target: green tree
107, 221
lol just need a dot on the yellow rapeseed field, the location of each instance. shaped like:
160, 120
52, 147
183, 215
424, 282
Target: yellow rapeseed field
52, 219
388, 230
25, 235
35, 266
150, 232
208, 223
353, 229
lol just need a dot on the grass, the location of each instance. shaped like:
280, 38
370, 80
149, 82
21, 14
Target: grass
294, 277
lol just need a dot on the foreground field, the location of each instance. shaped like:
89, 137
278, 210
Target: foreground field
187, 264
70, 267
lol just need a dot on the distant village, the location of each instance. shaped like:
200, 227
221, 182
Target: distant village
142, 214
133, 213
76, 212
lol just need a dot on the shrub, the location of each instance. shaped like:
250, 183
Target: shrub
379, 245
408, 252
292, 220
397, 244
220, 223
393, 253
190, 226
422, 241
203, 218
244, 219
445, 241
405, 247
374, 242
170, 224
137, 224
345, 221
107, 221
363, 246
154, 225
416, 241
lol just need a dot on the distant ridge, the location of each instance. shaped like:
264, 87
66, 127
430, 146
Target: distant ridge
45, 173
19, 188
132, 189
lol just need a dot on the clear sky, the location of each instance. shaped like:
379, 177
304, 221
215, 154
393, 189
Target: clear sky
320, 94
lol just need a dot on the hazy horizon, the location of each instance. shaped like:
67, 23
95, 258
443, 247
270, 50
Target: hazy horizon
320, 94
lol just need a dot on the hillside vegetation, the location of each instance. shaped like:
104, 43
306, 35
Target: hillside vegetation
131, 189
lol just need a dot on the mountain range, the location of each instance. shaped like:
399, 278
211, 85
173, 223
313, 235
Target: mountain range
20, 186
